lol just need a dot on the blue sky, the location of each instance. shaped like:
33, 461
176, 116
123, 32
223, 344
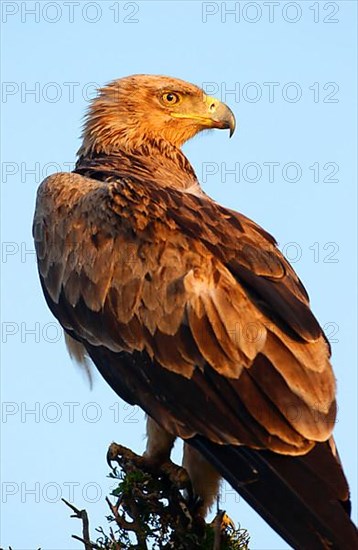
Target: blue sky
288, 71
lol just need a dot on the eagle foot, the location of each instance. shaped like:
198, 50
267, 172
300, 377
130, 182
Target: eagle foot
176, 474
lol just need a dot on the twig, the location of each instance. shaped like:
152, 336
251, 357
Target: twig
94, 546
134, 525
82, 515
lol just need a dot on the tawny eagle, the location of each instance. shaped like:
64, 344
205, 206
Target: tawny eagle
189, 310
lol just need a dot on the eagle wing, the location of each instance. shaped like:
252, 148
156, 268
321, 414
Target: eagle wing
189, 310
202, 294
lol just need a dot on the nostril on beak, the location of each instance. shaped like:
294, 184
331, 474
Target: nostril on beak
212, 107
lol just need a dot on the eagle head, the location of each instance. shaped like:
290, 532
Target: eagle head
136, 109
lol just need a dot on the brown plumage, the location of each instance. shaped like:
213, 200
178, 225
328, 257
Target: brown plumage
189, 309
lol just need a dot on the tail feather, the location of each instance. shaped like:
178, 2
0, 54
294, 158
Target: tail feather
304, 498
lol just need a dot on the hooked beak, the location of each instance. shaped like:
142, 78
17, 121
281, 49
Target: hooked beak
212, 113
221, 116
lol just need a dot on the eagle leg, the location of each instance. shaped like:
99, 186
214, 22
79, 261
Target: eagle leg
204, 478
157, 453
159, 443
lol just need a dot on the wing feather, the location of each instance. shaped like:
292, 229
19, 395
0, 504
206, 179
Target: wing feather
220, 321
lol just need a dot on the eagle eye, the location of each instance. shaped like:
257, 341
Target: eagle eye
170, 98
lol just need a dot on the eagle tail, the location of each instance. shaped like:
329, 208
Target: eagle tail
304, 498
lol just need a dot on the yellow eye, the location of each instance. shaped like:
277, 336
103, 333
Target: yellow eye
170, 98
